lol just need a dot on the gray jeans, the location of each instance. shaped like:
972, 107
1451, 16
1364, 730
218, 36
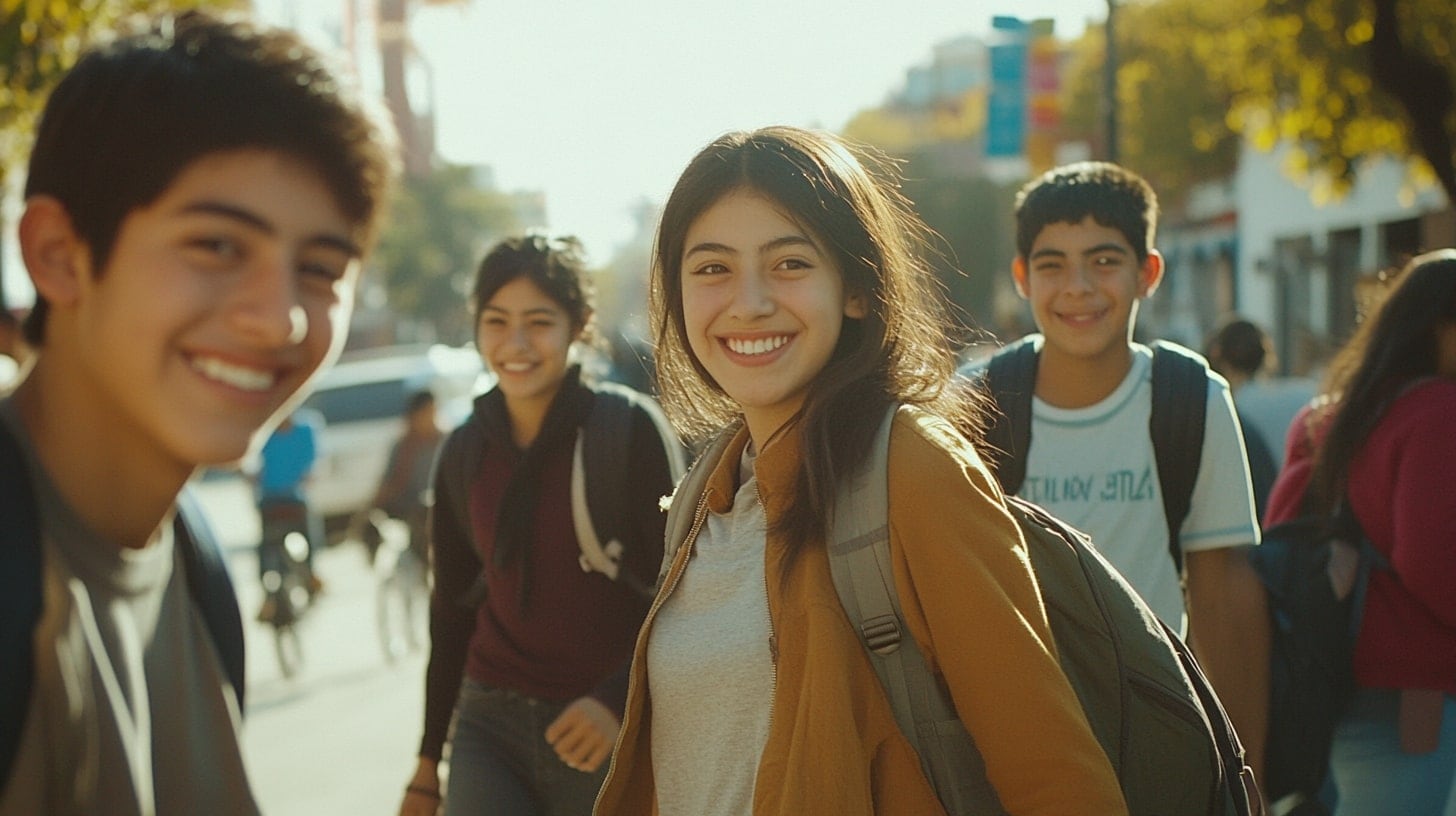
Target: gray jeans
501, 764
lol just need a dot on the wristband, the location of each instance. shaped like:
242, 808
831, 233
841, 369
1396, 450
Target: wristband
423, 791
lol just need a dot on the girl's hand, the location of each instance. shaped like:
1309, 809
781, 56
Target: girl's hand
584, 734
422, 795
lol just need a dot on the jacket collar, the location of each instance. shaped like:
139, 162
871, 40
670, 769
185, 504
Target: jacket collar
776, 469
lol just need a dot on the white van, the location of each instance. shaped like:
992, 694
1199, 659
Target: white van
362, 400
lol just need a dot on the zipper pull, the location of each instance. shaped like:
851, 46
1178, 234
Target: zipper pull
773, 648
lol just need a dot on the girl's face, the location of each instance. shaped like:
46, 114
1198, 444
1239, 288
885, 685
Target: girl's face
524, 336
763, 304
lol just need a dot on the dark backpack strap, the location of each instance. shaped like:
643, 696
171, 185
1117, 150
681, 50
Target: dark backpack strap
1180, 406
1010, 378
605, 451
21, 586
211, 588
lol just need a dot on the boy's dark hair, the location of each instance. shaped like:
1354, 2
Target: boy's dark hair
556, 265
135, 113
1239, 345
1112, 195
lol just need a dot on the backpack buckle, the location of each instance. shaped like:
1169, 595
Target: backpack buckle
881, 634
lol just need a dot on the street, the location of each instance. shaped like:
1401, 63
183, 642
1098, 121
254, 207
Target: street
341, 736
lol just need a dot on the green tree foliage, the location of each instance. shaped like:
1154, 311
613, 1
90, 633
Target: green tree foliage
439, 226
1173, 99
1347, 79
1337, 80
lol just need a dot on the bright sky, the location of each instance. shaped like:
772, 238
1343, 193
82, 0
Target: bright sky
601, 104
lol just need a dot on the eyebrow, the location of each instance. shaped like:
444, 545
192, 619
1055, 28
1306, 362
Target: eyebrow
533, 312
255, 221
776, 243
1107, 247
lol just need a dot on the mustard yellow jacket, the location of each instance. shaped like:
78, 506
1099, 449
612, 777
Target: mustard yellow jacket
971, 603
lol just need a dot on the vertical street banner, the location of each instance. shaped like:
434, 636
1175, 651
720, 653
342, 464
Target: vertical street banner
1006, 108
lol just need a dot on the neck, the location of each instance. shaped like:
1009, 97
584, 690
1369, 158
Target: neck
1064, 381
120, 486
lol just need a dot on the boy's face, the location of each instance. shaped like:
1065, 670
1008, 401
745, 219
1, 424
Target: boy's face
219, 301
1083, 282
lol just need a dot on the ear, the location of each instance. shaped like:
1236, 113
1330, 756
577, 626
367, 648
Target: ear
1018, 275
53, 252
1151, 274
856, 306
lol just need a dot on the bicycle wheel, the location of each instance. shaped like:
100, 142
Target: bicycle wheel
400, 606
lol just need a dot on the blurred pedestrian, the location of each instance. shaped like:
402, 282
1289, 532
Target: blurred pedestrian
1380, 438
404, 491
529, 647
1240, 350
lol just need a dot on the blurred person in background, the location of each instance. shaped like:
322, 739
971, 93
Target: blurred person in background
1380, 437
404, 491
1240, 351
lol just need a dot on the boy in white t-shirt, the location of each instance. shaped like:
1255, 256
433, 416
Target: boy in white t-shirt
1085, 259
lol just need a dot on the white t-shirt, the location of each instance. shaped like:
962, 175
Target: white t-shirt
1094, 468
710, 674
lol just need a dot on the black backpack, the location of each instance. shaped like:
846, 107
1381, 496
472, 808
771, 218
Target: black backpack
1179, 410
598, 481
1312, 632
22, 585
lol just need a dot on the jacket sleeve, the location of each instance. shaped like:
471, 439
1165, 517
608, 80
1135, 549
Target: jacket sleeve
971, 601
455, 565
1423, 514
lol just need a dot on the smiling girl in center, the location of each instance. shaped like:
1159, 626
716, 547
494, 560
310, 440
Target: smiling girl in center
793, 307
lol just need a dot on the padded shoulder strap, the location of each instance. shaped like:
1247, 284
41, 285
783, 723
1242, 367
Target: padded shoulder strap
212, 589
599, 476
1010, 378
21, 584
1180, 406
859, 561
684, 501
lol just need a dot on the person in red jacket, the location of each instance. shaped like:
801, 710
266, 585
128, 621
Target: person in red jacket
1381, 435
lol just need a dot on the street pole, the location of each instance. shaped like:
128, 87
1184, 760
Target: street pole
1109, 82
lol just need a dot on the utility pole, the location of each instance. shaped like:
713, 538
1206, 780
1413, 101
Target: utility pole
1109, 82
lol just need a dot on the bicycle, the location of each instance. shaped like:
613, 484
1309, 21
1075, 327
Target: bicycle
402, 583
288, 587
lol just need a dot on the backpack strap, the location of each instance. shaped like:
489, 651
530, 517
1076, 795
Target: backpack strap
20, 596
682, 505
1010, 378
22, 584
859, 561
211, 588
1176, 424
598, 477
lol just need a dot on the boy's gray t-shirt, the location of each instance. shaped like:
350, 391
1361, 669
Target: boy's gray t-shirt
130, 711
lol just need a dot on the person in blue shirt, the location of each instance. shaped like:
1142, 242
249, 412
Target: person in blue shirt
285, 463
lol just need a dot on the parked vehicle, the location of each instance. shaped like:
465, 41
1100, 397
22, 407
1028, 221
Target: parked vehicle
362, 399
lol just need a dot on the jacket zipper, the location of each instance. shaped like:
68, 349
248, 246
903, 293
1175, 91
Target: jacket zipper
700, 515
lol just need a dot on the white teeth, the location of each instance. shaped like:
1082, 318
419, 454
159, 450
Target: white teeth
246, 379
762, 345
516, 368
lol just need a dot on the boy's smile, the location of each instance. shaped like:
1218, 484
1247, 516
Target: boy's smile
1083, 282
